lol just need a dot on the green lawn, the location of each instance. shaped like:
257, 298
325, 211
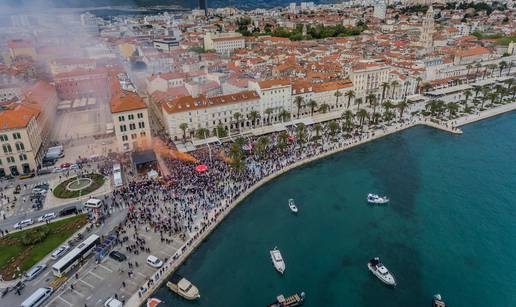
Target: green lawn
60, 191
13, 253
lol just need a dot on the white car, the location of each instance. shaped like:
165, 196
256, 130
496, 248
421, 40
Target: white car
47, 217
154, 262
59, 252
113, 302
23, 223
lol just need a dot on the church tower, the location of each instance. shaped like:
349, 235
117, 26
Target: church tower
426, 38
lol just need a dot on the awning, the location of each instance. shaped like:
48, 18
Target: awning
143, 157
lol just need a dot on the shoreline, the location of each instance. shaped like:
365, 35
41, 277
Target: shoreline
193, 243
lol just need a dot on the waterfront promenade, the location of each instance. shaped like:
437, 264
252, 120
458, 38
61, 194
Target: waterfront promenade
174, 262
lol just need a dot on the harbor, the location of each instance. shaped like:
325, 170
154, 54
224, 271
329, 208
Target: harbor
190, 246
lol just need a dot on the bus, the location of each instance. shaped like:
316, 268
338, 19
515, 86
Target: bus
71, 259
117, 176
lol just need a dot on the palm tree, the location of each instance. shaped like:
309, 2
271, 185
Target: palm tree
426, 87
388, 115
268, 111
370, 97
491, 96
324, 108
300, 132
350, 94
452, 108
394, 84
513, 91
401, 106
253, 116
418, 80
183, 127
493, 68
202, 133
509, 82
467, 94
358, 102
317, 128
333, 127
387, 105
373, 104
502, 65
337, 94
237, 117
477, 89
509, 70
384, 86
262, 144
348, 118
284, 115
299, 103
362, 115
282, 140
312, 104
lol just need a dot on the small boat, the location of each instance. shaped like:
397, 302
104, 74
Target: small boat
437, 301
153, 302
183, 287
380, 271
292, 205
375, 199
291, 301
277, 260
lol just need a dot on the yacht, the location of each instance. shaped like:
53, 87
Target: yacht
380, 271
375, 199
291, 301
183, 287
292, 205
277, 260
437, 301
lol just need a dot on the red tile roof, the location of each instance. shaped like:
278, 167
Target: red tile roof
126, 101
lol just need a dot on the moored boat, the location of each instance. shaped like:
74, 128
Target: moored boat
183, 287
375, 199
292, 205
379, 270
437, 301
153, 302
291, 301
277, 260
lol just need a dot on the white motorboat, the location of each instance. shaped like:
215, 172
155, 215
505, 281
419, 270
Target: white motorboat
375, 199
437, 301
277, 260
183, 287
380, 271
292, 205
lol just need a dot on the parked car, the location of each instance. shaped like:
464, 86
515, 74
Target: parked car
35, 271
47, 217
68, 211
118, 256
65, 165
154, 261
26, 176
59, 252
23, 223
113, 302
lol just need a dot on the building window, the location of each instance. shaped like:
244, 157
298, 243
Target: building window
16, 135
141, 125
20, 146
10, 159
124, 138
121, 118
130, 116
7, 148
132, 126
133, 136
142, 134
140, 115
23, 157
3, 137
123, 128
0, 161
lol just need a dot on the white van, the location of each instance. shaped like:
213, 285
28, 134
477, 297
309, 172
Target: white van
35, 271
38, 297
93, 203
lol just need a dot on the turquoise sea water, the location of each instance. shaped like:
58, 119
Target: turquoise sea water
450, 227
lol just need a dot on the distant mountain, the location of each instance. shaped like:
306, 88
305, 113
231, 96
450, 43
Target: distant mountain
245, 4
